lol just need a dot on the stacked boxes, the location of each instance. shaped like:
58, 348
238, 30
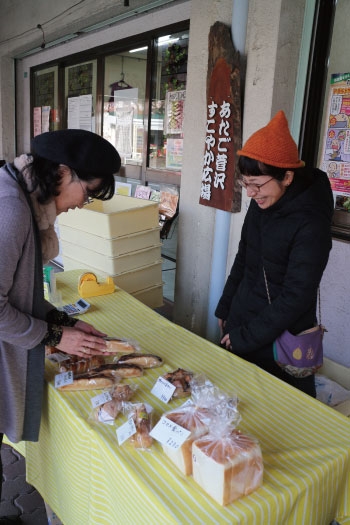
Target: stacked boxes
118, 238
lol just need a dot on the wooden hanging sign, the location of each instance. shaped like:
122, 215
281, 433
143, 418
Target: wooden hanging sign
219, 188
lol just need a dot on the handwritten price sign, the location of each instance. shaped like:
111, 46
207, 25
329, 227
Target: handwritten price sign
163, 390
169, 433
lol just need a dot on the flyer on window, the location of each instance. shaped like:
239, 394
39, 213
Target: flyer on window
174, 153
336, 147
174, 112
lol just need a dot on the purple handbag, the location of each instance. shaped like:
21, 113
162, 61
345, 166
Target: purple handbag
299, 355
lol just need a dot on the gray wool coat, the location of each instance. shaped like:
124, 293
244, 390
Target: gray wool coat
23, 310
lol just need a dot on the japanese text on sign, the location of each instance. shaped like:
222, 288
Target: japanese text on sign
66, 378
163, 390
215, 161
169, 433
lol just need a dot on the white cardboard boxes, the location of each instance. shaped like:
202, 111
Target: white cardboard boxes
120, 238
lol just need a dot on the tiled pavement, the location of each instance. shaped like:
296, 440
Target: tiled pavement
19, 498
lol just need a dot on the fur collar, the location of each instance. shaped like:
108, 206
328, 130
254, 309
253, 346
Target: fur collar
44, 214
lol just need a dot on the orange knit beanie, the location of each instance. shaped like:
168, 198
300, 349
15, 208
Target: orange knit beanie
273, 145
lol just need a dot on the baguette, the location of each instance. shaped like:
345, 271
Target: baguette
115, 345
144, 360
89, 383
120, 369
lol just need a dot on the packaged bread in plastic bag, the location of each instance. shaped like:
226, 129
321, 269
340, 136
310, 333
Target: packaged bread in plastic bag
195, 416
107, 412
142, 419
121, 345
227, 463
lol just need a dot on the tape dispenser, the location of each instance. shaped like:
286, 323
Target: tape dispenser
89, 286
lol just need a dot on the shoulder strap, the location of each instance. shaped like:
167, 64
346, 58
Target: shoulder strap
267, 287
318, 296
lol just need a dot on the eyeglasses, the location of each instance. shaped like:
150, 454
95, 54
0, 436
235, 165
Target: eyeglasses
87, 199
251, 186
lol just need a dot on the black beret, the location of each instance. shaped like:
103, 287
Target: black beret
81, 150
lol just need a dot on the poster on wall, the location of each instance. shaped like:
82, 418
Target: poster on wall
45, 118
336, 145
37, 121
174, 153
79, 112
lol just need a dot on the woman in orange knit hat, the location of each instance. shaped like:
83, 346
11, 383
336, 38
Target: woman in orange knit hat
287, 234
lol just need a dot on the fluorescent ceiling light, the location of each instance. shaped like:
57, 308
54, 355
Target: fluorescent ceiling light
164, 40
161, 41
138, 49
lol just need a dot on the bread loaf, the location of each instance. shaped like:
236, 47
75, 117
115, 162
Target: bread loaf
191, 419
227, 468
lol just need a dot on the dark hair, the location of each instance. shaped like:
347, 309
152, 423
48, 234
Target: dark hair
248, 166
105, 190
46, 177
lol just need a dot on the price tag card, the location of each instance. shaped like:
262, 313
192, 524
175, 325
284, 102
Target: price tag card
96, 401
169, 433
125, 431
66, 378
57, 357
163, 390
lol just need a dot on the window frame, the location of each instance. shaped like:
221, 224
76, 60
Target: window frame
142, 173
311, 124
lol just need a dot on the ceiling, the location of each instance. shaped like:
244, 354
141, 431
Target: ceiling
27, 24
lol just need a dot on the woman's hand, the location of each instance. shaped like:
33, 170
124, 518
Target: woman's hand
226, 342
82, 340
88, 329
221, 323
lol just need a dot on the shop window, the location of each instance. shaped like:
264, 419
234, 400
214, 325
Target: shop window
326, 117
80, 95
131, 92
45, 100
124, 103
168, 100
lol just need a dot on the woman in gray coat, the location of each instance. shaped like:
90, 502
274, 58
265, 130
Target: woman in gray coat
65, 169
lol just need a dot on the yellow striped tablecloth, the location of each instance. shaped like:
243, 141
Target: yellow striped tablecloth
86, 478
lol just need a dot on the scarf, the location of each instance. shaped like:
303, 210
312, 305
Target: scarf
44, 214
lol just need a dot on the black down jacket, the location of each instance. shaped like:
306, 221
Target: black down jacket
291, 240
